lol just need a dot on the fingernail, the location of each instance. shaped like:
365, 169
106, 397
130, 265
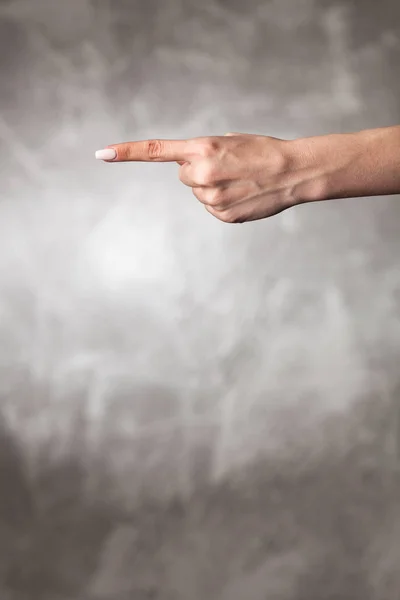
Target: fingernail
106, 154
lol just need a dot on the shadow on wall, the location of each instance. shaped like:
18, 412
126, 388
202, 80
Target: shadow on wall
293, 528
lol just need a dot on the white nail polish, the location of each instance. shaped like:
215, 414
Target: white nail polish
106, 154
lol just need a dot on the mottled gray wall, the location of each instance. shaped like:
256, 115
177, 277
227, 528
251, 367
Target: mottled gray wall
190, 409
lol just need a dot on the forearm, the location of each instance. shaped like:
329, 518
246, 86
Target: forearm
350, 165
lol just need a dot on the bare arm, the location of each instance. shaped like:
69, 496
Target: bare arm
350, 165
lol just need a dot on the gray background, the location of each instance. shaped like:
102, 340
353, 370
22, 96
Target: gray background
191, 409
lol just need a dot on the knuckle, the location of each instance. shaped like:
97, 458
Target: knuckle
126, 153
206, 174
208, 147
216, 197
230, 216
198, 193
154, 148
224, 215
184, 176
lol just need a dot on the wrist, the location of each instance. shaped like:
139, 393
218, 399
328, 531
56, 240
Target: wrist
322, 166
346, 165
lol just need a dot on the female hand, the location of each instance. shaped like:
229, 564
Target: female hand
242, 177
238, 177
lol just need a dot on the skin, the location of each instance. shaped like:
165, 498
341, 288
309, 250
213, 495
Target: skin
242, 177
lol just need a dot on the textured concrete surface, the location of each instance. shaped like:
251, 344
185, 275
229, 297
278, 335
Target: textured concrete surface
193, 410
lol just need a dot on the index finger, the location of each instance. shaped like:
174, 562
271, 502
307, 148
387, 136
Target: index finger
148, 151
